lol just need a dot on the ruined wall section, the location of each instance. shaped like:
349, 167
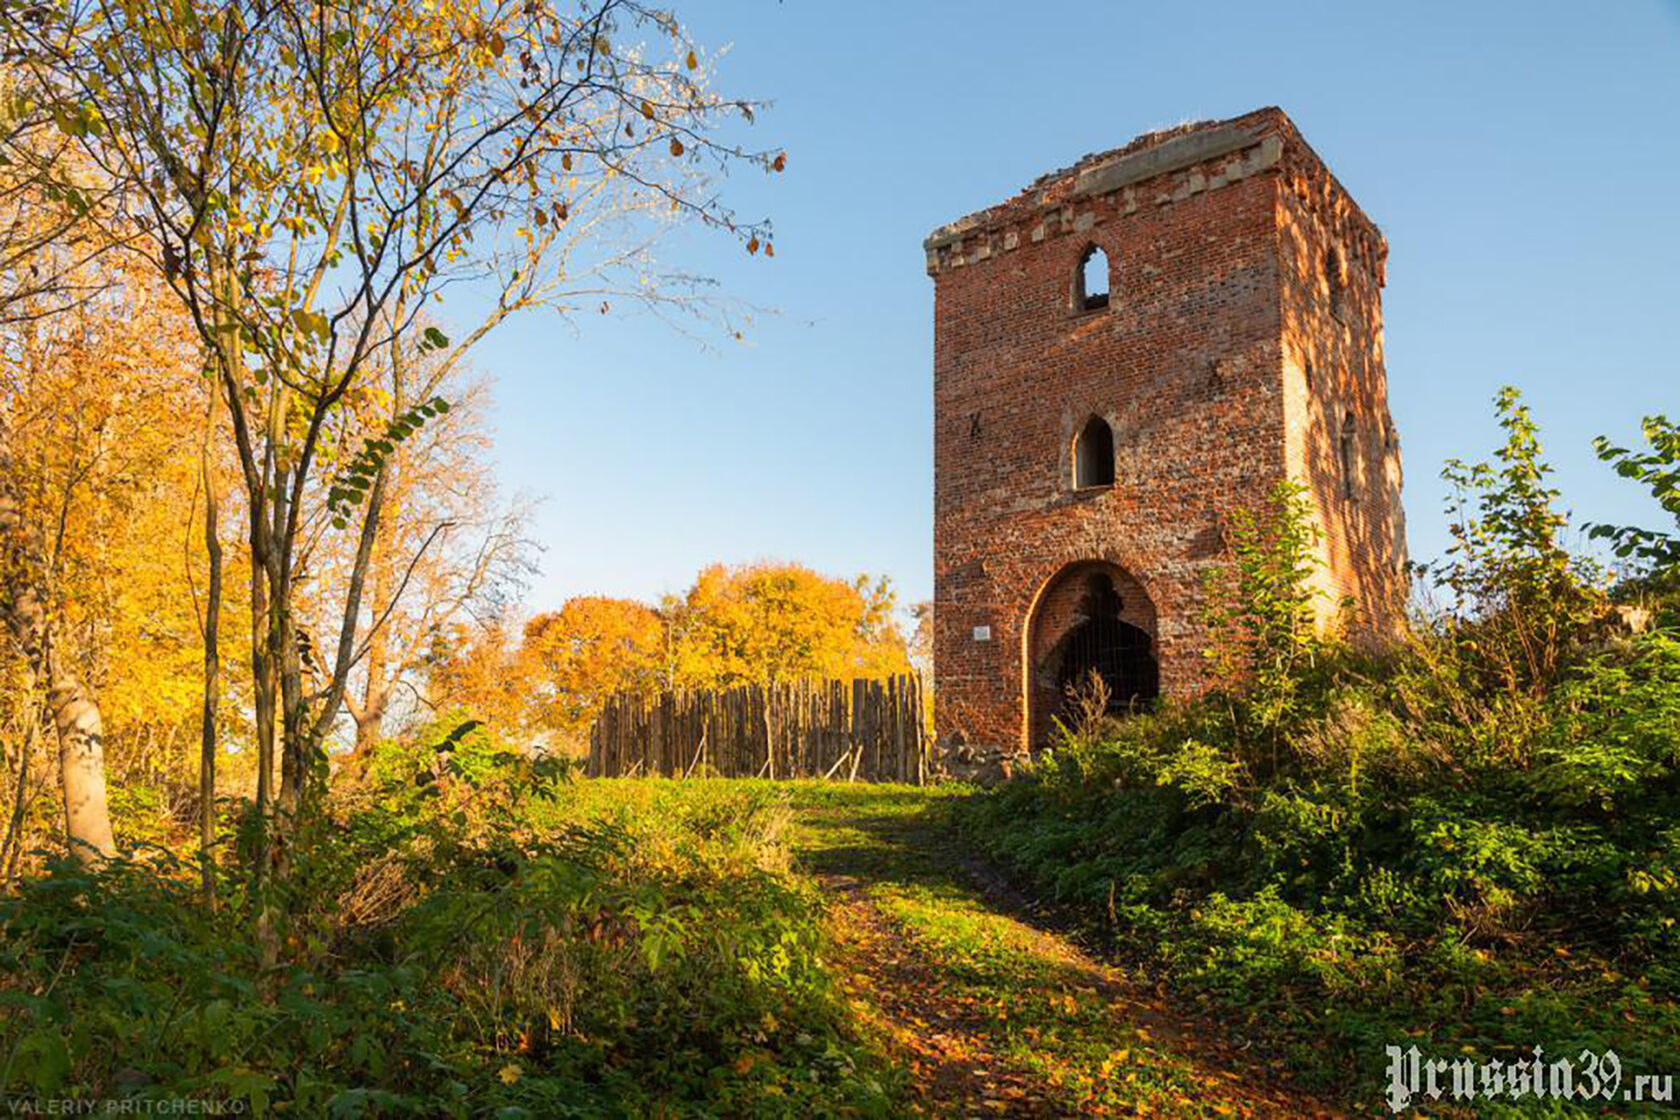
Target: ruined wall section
1332, 262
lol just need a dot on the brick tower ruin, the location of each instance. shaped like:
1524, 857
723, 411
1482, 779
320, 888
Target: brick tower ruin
1122, 353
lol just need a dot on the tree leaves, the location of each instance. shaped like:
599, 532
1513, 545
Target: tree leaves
357, 478
319, 180
312, 323
44, 1057
1659, 471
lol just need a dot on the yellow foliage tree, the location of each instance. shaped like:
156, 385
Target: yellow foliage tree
478, 669
587, 650
760, 623
752, 624
309, 177
104, 411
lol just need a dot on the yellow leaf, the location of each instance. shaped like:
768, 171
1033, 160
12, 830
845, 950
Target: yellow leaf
510, 1073
693, 63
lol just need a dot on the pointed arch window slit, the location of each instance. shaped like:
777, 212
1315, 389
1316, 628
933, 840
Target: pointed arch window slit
1093, 455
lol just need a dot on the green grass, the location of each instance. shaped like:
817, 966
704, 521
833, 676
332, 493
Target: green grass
507, 941
1050, 1017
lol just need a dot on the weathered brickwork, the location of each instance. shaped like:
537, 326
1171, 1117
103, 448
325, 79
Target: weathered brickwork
1217, 236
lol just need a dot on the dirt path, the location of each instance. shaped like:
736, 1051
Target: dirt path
994, 1016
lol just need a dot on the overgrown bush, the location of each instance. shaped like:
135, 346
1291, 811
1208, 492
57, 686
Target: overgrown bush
475, 934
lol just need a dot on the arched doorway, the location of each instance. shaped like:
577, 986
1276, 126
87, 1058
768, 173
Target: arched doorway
1093, 617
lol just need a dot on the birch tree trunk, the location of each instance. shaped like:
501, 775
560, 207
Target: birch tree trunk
81, 757
81, 731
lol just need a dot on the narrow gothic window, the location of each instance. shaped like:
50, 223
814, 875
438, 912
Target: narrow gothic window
1333, 278
1090, 283
1093, 455
1345, 454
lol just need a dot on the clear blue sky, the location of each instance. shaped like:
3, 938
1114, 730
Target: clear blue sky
1523, 159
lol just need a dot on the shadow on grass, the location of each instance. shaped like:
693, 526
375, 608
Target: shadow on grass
888, 838
999, 1000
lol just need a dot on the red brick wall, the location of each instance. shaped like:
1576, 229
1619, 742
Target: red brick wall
1188, 363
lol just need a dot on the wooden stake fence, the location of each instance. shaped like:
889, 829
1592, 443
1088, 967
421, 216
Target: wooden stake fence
861, 729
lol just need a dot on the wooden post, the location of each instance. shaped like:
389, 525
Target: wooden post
896, 705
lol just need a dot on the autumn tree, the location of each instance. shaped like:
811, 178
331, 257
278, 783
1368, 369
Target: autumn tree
921, 640
48, 196
76, 315
310, 175
44, 258
760, 623
590, 648
96, 471
921, 654
753, 624
479, 668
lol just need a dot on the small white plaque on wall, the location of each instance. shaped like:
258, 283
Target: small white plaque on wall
982, 633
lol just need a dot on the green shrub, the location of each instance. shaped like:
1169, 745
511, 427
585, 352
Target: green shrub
472, 936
